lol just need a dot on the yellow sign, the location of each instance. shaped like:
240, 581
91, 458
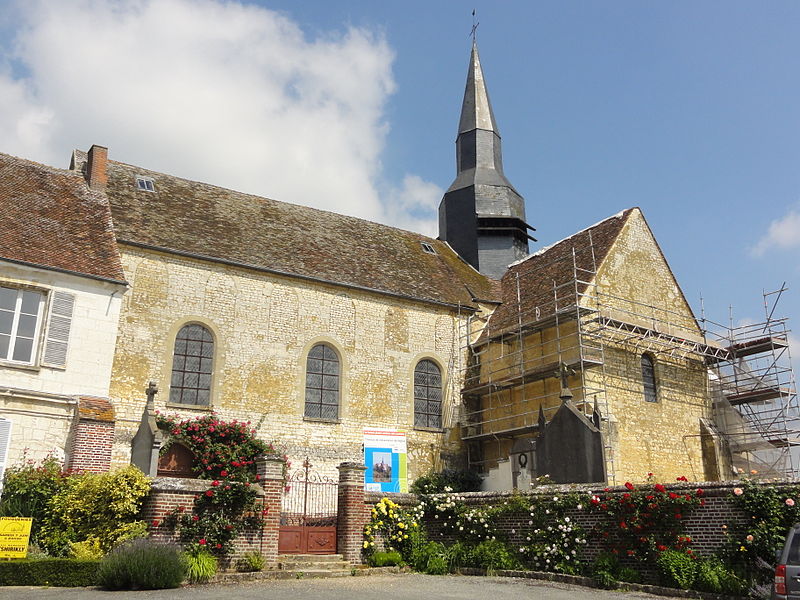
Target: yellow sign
14, 535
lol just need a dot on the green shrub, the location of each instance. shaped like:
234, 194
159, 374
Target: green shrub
493, 555
606, 571
102, 506
437, 565
677, 569
454, 479
458, 555
604, 580
201, 565
385, 559
250, 562
87, 550
713, 576
56, 572
27, 490
630, 575
142, 565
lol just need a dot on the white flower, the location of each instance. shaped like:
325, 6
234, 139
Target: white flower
579, 507
513, 531
566, 519
555, 498
530, 522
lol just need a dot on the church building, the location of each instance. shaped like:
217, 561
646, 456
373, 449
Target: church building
582, 361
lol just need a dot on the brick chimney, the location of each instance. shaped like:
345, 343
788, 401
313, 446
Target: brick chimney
96, 173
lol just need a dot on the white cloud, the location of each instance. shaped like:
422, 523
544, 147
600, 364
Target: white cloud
412, 205
216, 91
783, 233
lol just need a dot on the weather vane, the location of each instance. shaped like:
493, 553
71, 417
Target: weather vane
474, 26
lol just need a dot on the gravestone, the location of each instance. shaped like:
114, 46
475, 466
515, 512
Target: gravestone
569, 448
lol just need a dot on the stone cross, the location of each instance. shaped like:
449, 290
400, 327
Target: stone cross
151, 391
563, 372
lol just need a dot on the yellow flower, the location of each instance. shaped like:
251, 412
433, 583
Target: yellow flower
366, 544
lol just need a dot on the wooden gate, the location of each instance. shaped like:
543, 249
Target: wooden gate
308, 513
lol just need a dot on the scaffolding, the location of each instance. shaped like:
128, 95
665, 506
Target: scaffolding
754, 393
558, 314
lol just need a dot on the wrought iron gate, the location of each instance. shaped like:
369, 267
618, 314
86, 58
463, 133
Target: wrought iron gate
308, 513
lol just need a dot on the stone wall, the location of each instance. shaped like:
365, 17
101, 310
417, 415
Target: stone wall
263, 326
636, 285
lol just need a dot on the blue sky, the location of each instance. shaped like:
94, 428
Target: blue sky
690, 110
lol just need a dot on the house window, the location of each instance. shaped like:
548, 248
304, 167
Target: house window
427, 395
649, 379
20, 322
322, 383
146, 184
192, 364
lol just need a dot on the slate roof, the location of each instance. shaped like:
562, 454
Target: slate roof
51, 219
538, 271
220, 224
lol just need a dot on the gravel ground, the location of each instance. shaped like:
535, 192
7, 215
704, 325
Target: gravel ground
384, 587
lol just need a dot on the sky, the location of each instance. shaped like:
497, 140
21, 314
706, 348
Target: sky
687, 109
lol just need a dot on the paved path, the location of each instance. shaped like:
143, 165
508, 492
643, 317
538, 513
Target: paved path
382, 587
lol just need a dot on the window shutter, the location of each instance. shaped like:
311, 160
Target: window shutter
55, 347
5, 442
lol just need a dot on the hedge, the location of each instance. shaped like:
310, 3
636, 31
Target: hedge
56, 572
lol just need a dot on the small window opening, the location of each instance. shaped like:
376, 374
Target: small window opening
426, 247
649, 379
145, 183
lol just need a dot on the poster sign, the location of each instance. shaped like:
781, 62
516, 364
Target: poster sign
14, 535
385, 458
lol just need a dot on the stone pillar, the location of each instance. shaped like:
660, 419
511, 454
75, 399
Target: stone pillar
269, 469
352, 514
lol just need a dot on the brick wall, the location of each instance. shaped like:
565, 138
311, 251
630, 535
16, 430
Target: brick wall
170, 493
707, 525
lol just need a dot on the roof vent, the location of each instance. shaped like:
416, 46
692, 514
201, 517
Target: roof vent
426, 247
146, 184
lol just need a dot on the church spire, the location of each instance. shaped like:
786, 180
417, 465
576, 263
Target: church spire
476, 110
481, 215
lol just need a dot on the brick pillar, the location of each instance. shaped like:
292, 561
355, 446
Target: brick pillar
352, 514
92, 436
270, 473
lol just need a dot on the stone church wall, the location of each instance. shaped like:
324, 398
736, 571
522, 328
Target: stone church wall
263, 326
635, 284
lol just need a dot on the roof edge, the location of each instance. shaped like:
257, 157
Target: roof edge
66, 271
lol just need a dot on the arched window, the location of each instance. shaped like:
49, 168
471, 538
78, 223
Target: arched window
649, 378
192, 363
427, 395
322, 383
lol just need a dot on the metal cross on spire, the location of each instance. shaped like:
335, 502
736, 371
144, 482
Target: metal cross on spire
475, 24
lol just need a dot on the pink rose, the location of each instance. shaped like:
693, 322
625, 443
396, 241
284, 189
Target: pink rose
789, 502
738, 491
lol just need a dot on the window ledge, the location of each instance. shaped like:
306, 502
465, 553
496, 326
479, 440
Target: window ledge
200, 407
429, 429
315, 420
21, 366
